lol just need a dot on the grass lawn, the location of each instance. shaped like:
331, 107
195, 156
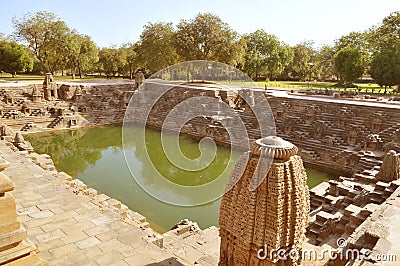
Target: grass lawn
24, 77
362, 87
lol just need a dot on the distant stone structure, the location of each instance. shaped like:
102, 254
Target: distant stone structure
271, 217
36, 95
139, 79
15, 248
49, 88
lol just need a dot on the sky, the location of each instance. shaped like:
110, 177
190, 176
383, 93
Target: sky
292, 21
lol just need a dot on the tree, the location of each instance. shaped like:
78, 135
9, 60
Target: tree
14, 58
207, 37
303, 60
385, 67
46, 35
112, 61
349, 64
360, 41
131, 52
88, 54
70, 54
80, 53
324, 61
157, 46
387, 35
265, 54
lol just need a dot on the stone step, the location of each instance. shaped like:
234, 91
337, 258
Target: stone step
10, 238
350, 228
356, 219
324, 216
24, 248
344, 220
339, 229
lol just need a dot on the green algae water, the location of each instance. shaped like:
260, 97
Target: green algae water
95, 156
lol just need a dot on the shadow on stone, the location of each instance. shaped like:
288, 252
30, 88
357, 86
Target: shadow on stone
169, 261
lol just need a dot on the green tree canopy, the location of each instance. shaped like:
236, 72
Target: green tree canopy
385, 67
46, 35
157, 48
112, 61
349, 64
207, 37
14, 57
324, 62
130, 51
358, 40
303, 61
88, 54
387, 34
265, 55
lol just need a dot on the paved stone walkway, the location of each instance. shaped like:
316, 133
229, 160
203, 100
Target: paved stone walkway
69, 228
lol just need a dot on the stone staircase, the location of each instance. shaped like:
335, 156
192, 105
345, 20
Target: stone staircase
368, 166
55, 122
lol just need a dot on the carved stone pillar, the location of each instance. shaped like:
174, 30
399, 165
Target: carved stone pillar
257, 224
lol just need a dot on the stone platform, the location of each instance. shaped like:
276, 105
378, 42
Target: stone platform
68, 228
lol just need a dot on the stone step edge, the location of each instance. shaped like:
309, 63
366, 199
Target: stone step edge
105, 202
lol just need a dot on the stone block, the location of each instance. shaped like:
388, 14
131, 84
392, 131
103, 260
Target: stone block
8, 215
65, 176
90, 192
19, 251
351, 209
139, 217
88, 242
3, 164
5, 184
12, 238
324, 216
101, 198
114, 203
375, 232
76, 183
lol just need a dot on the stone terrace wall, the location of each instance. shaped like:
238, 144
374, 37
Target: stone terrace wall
25, 108
342, 137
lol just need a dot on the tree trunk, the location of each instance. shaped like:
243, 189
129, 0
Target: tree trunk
80, 72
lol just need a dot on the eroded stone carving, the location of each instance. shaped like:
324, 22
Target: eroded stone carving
390, 169
273, 216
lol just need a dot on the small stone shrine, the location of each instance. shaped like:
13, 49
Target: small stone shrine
257, 223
